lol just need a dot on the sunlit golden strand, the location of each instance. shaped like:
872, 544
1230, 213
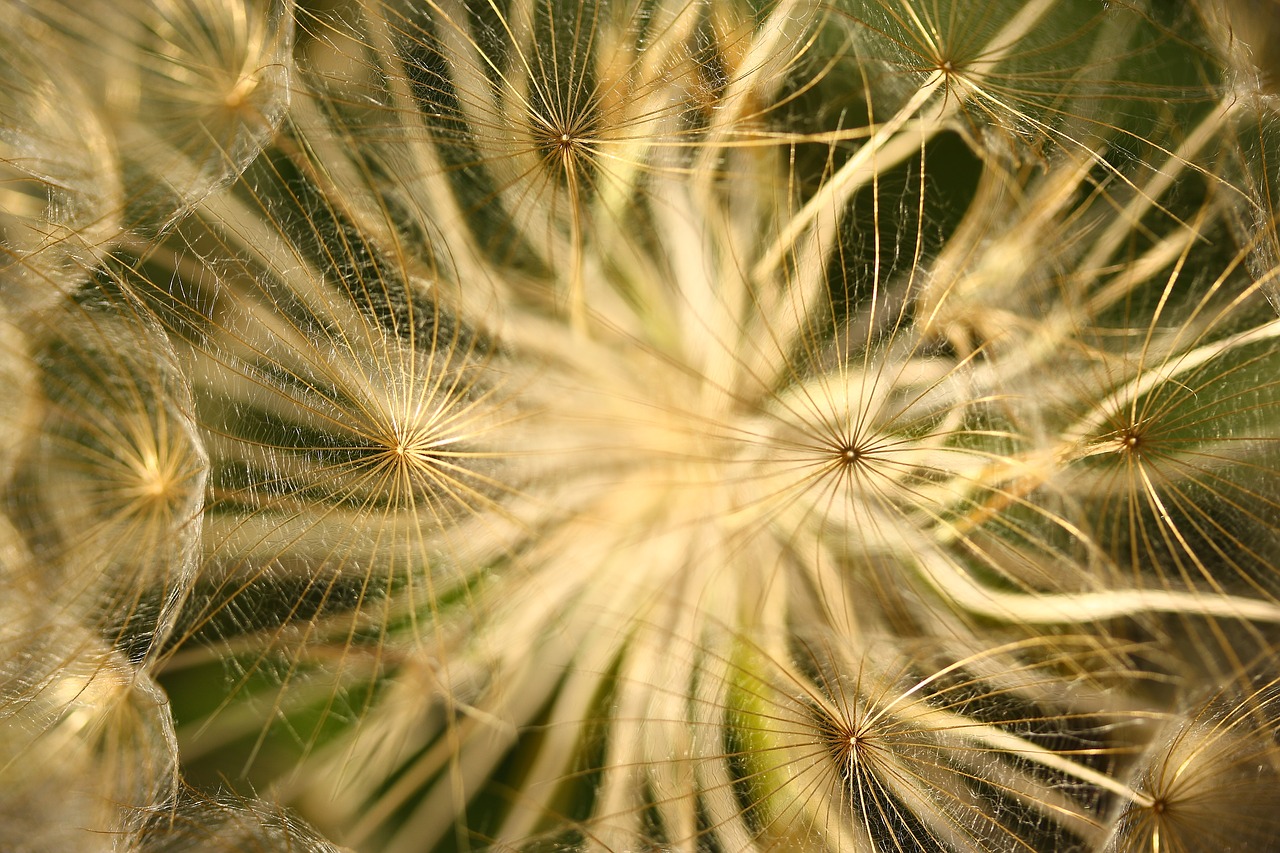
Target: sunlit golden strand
565, 726
584, 562
956, 585
1173, 367
982, 274
1173, 510
428, 383
611, 824
306, 533
18, 373
469, 59
376, 547
883, 149
896, 775
710, 484
431, 818
779, 41
422, 178
886, 148
804, 796
576, 561
1046, 101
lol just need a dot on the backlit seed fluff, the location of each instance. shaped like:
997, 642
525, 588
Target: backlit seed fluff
629, 425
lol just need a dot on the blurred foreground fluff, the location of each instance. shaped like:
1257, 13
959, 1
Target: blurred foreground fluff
628, 425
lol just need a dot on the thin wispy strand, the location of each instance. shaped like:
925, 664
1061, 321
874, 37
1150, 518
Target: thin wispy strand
627, 425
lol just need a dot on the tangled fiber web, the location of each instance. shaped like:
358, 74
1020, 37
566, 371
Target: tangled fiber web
629, 425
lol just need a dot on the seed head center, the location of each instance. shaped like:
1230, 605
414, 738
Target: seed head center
155, 481
849, 454
1130, 440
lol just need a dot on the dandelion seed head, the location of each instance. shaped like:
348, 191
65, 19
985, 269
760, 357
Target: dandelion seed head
614, 426
735, 380
850, 454
1130, 441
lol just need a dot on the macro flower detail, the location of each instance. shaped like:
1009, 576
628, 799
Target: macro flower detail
619, 425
